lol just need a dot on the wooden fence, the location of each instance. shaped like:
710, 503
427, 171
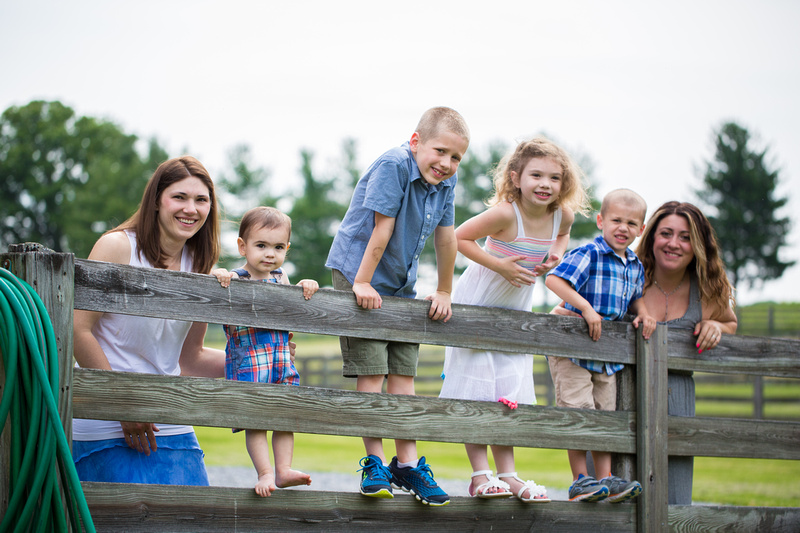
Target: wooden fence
641, 438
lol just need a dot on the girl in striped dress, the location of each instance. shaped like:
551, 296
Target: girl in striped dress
537, 190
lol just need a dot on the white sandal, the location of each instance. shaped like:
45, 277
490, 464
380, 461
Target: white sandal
481, 490
534, 489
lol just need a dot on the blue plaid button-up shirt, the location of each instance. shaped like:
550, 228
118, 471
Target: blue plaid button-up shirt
608, 284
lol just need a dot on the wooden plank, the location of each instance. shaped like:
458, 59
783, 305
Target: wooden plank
147, 508
705, 518
734, 437
204, 401
736, 354
651, 430
159, 293
134, 290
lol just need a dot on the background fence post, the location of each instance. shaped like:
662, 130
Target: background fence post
681, 402
651, 430
624, 465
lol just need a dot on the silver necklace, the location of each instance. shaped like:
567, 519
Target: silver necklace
667, 295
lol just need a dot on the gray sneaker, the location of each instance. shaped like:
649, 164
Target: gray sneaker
620, 490
587, 489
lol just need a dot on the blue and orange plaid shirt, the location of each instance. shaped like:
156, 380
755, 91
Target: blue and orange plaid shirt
607, 282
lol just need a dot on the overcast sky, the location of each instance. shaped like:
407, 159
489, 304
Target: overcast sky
637, 87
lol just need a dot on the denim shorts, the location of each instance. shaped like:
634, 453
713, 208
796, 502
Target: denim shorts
177, 461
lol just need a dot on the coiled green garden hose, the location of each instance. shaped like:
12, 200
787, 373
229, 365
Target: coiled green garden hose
40, 458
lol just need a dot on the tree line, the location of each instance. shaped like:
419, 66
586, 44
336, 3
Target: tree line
65, 179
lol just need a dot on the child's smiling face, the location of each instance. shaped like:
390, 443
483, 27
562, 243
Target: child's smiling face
439, 156
539, 182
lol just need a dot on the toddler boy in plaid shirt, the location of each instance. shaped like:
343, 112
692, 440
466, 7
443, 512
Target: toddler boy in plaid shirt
261, 355
601, 280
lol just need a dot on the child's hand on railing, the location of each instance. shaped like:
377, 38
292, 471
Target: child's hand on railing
224, 277
309, 287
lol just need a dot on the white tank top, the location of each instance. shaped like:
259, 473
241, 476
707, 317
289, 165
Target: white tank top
138, 344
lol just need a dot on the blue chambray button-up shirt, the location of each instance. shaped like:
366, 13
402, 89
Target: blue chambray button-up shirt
608, 284
392, 186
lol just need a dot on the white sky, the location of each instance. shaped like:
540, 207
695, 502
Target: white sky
639, 88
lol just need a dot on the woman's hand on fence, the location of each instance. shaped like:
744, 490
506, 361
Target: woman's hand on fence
709, 333
141, 436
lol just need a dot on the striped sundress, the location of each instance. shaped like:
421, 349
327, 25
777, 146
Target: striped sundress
488, 376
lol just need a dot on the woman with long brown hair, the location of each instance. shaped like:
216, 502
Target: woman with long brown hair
176, 227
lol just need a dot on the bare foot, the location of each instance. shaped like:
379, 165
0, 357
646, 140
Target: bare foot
292, 478
265, 485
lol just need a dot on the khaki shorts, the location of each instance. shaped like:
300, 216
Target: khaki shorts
370, 357
580, 388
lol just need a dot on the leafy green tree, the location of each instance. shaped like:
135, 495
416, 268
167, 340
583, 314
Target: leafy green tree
316, 213
244, 186
739, 186
66, 179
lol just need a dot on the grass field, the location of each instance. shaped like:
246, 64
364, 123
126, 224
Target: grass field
751, 482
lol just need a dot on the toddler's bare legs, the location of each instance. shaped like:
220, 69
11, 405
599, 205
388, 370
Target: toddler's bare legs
258, 448
283, 448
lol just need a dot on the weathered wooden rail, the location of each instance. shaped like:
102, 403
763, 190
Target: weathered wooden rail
641, 437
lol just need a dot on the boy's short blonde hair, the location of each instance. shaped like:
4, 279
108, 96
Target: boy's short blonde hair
624, 196
438, 119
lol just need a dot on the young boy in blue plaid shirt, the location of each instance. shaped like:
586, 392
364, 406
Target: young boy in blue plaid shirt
602, 280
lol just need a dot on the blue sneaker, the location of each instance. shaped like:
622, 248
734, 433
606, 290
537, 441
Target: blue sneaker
620, 490
419, 482
376, 479
587, 489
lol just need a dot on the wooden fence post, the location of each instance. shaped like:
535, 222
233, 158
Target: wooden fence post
651, 430
51, 275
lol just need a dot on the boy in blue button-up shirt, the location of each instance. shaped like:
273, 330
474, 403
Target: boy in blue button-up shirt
601, 280
404, 197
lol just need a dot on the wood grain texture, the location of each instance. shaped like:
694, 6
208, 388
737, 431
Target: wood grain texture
734, 437
152, 292
651, 431
179, 295
207, 402
705, 518
147, 508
